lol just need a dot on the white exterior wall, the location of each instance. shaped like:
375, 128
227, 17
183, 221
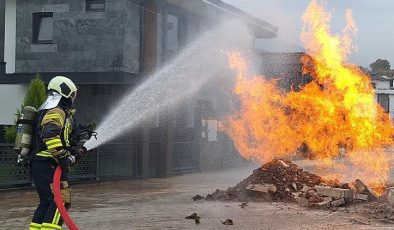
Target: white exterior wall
10, 35
383, 87
381, 84
11, 97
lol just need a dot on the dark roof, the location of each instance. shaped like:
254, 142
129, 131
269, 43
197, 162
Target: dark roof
213, 8
380, 78
91, 78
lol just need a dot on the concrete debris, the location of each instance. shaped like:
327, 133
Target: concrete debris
283, 163
358, 196
303, 202
364, 189
323, 204
294, 185
273, 181
305, 188
228, 222
281, 180
243, 205
334, 192
390, 196
339, 202
261, 188
197, 197
324, 196
193, 216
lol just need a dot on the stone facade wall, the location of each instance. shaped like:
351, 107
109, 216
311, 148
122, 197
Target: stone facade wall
82, 41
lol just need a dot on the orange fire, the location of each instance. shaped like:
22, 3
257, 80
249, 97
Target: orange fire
335, 115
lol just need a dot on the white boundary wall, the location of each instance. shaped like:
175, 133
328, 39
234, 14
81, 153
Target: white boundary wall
11, 97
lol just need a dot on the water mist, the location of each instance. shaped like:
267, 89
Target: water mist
180, 79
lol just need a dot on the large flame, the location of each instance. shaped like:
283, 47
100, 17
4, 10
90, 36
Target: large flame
335, 114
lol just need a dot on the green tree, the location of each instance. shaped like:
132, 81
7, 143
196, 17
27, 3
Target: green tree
35, 96
381, 67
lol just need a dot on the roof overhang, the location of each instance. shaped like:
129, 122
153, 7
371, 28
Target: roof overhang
380, 78
88, 78
212, 8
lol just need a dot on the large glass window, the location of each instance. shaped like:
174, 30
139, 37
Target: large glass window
43, 27
172, 28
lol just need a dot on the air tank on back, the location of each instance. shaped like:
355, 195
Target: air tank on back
24, 131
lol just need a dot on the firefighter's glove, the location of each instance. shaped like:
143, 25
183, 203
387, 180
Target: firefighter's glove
66, 162
78, 151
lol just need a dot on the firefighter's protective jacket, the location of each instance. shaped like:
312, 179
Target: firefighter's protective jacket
53, 133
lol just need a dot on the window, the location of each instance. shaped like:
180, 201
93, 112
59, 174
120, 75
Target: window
95, 5
172, 43
384, 101
43, 28
391, 83
212, 130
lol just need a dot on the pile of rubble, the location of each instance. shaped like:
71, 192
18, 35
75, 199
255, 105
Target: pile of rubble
327, 196
281, 180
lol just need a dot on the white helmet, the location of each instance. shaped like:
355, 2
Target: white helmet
59, 87
64, 86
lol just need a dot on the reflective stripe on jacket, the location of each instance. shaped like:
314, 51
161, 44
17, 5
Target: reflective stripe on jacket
55, 129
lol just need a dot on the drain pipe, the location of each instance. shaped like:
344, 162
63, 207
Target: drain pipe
2, 37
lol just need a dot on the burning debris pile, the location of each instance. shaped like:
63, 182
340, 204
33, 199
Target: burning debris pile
334, 114
281, 180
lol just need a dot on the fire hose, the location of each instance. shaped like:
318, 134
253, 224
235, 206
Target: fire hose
84, 134
59, 201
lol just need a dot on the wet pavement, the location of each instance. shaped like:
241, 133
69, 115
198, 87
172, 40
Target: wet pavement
164, 204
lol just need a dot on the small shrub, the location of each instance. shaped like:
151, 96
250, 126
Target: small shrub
35, 96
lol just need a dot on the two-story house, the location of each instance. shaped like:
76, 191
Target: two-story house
108, 47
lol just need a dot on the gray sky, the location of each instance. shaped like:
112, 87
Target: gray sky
374, 20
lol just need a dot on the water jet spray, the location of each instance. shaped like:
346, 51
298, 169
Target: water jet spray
178, 80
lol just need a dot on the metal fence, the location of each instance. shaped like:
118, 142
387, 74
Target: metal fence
185, 156
111, 161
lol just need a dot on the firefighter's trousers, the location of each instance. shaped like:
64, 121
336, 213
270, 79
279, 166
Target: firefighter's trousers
47, 216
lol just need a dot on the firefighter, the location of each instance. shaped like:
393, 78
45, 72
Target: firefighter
53, 128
